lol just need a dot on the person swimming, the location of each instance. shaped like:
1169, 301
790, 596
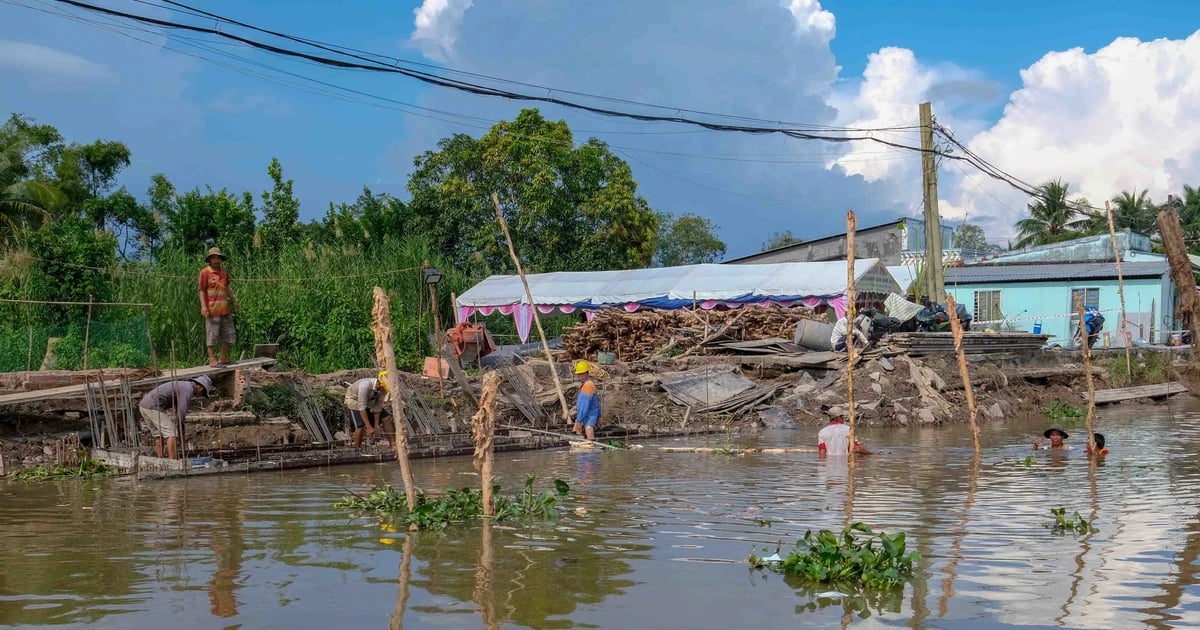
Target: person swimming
1099, 448
1056, 435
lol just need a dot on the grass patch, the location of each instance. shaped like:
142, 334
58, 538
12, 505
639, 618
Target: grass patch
856, 557
86, 469
457, 506
1065, 414
1148, 368
1074, 524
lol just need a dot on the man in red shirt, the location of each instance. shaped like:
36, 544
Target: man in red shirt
217, 306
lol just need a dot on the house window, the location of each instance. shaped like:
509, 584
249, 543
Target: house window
1091, 297
987, 306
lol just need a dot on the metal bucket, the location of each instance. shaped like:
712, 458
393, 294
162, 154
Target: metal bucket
814, 335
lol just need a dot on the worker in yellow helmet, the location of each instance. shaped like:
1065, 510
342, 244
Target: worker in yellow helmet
366, 408
587, 405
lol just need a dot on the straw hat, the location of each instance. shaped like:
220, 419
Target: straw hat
214, 251
1047, 432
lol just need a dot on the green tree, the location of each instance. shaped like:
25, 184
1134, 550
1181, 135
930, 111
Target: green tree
780, 239
25, 199
364, 224
197, 220
968, 236
567, 207
280, 224
686, 240
74, 261
1053, 216
87, 171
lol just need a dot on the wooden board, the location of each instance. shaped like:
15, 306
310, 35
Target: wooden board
77, 391
1108, 396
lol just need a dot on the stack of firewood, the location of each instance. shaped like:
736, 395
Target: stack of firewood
636, 336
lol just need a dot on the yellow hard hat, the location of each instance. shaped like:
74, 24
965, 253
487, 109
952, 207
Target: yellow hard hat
582, 367
383, 379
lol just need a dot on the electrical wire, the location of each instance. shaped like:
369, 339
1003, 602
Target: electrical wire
806, 133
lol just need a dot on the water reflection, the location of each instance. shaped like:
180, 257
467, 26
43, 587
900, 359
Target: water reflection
662, 544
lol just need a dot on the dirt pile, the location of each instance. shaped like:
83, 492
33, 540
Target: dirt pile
636, 336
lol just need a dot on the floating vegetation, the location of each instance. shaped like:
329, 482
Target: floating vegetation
876, 560
457, 506
86, 469
1074, 524
1064, 413
614, 443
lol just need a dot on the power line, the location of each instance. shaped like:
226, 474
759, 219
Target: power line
806, 133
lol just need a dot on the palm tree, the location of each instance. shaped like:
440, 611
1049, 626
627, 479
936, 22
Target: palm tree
24, 201
1053, 216
1133, 212
1188, 208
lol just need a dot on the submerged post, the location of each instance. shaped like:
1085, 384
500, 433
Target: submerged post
1112, 233
1087, 372
956, 329
483, 429
385, 356
851, 314
562, 398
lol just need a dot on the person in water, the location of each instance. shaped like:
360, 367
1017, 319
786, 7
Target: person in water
1056, 435
1099, 448
834, 439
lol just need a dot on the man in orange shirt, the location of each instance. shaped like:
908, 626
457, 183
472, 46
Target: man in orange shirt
217, 306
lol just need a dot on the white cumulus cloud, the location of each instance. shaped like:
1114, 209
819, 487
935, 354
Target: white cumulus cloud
1122, 118
35, 59
811, 18
437, 26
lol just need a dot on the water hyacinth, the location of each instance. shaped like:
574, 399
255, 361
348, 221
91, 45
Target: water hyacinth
875, 560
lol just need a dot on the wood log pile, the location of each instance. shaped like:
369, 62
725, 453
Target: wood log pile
640, 335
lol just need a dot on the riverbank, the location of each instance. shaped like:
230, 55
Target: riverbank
265, 419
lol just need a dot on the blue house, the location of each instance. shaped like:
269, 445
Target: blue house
1035, 288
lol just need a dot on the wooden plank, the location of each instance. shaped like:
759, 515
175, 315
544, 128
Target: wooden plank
77, 391
1108, 396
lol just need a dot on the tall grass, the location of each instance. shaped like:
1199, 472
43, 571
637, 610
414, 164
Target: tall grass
317, 307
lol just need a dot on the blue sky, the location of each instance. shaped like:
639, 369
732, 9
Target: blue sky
1000, 74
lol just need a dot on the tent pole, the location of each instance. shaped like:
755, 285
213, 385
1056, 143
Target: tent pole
562, 398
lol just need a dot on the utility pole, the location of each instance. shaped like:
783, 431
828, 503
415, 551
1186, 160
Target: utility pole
935, 279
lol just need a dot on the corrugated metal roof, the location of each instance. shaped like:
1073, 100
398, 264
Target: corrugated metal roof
974, 274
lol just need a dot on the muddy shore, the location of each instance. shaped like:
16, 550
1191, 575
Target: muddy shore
890, 391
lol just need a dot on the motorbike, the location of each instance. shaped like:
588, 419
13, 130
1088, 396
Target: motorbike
934, 318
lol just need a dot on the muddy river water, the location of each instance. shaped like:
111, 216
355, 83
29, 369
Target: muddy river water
663, 543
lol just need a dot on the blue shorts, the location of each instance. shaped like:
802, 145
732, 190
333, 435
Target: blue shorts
840, 346
592, 422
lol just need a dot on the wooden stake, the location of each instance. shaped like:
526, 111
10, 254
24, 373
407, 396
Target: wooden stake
562, 398
1112, 233
956, 329
483, 431
1171, 231
1087, 372
851, 314
484, 595
385, 356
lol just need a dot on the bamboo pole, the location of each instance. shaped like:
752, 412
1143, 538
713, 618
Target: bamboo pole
483, 431
561, 436
385, 356
562, 398
396, 621
956, 329
87, 333
1188, 308
851, 314
1087, 372
1112, 233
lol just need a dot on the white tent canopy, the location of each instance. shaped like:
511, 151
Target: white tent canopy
709, 286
